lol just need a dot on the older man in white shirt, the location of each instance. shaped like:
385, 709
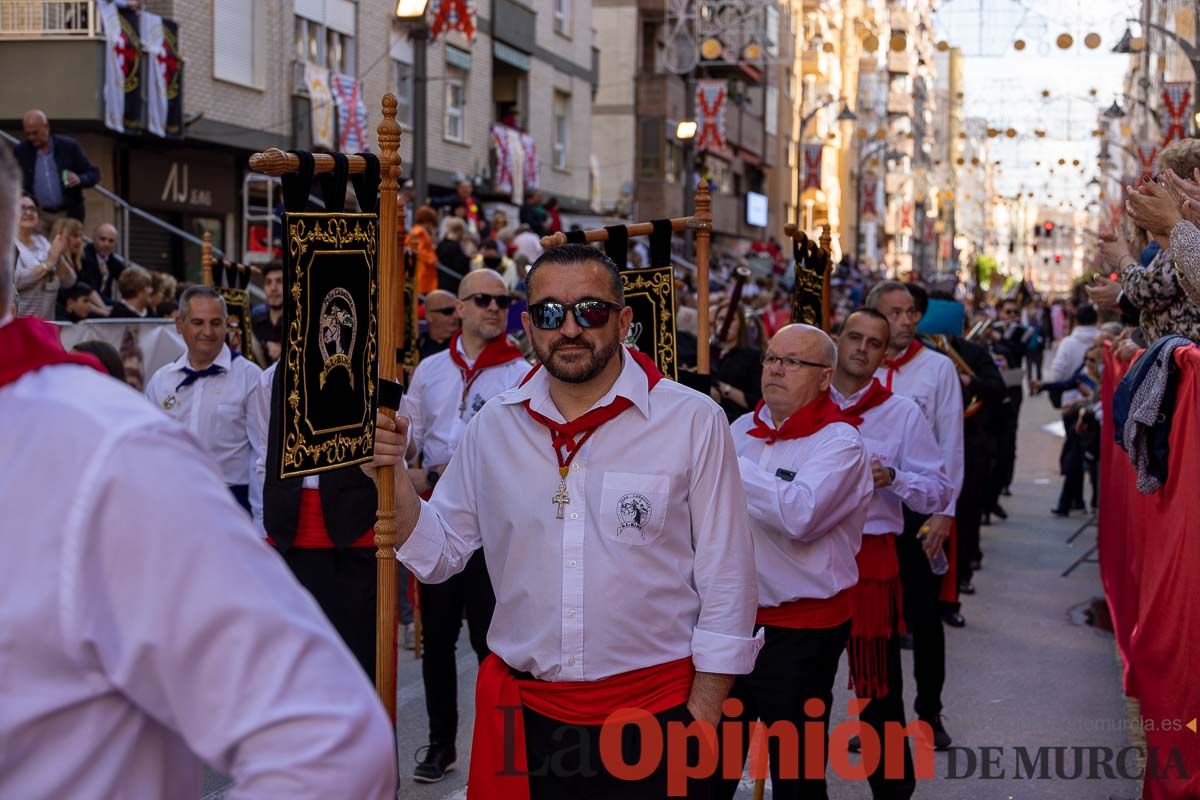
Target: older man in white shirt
906, 469
448, 389
807, 484
145, 623
930, 380
609, 507
207, 389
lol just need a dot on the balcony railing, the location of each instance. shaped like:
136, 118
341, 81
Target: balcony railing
40, 19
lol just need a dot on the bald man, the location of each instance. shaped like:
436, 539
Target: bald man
447, 390
442, 320
101, 266
808, 485
54, 169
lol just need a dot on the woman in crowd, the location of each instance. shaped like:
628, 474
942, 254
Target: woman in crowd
420, 241
738, 376
41, 270
451, 255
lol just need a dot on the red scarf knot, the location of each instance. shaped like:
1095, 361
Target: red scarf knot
804, 422
894, 364
875, 396
28, 344
497, 352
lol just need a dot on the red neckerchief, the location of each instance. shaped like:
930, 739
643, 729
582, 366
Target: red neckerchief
876, 395
28, 344
894, 365
498, 351
805, 422
563, 433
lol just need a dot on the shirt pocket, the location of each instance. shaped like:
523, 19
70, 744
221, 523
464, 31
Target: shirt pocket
633, 507
230, 425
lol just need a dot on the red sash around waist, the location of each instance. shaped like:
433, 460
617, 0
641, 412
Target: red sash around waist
878, 605
808, 612
311, 533
498, 762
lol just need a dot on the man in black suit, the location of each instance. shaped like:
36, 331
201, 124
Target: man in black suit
100, 265
54, 168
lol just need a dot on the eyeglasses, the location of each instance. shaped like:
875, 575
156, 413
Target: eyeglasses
550, 315
448, 311
790, 364
28, 209
503, 301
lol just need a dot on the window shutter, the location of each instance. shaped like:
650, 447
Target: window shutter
233, 41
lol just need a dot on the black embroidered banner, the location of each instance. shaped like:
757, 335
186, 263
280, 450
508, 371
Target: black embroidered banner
650, 293
409, 355
237, 303
808, 291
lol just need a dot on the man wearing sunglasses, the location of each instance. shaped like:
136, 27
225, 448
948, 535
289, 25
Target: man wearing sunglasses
808, 484
447, 390
609, 506
441, 318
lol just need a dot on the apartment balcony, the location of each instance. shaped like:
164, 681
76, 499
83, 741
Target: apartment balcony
902, 63
726, 211
662, 95
57, 49
744, 130
900, 103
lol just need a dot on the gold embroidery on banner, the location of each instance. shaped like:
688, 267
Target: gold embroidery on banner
659, 285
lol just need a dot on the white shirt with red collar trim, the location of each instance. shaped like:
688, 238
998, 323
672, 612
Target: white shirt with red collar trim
896, 435
214, 408
653, 560
434, 402
931, 381
808, 500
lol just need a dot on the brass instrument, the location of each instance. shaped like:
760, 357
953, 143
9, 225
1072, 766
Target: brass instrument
942, 342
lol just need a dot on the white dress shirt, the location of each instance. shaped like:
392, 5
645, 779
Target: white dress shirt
146, 630
897, 436
434, 401
808, 499
653, 561
213, 408
931, 381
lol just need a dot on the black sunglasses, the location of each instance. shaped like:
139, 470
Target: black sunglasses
448, 311
550, 315
482, 300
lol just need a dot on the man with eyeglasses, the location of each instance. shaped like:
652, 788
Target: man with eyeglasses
906, 468
448, 389
930, 380
808, 484
609, 506
442, 322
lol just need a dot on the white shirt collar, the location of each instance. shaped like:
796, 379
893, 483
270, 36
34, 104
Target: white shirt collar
844, 401
630, 383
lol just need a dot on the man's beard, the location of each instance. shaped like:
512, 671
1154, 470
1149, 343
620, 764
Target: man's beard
580, 371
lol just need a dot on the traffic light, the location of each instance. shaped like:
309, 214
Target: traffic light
1057, 258
1048, 228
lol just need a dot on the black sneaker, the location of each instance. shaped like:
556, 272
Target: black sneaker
941, 739
438, 760
954, 619
999, 512
965, 587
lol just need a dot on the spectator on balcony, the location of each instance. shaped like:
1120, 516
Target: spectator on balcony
267, 320
451, 255
42, 267
135, 287
420, 241
162, 290
534, 214
77, 303
54, 168
101, 266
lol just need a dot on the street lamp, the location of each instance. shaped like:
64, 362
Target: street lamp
1125, 46
413, 13
1114, 111
846, 114
685, 129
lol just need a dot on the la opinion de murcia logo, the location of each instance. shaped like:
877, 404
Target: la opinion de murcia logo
338, 332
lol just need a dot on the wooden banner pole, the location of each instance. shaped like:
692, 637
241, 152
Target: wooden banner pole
601, 234
385, 525
206, 260
826, 244
701, 224
274, 161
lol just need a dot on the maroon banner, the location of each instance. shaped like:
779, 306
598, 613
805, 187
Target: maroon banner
1149, 553
813, 156
1177, 99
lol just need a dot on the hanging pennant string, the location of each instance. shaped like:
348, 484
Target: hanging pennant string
617, 244
296, 185
660, 243
333, 184
366, 184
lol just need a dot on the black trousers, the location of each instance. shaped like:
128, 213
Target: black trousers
923, 616
1006, 447
343, 584
877, 714
442, 608
565, 762
793, 666
978, 494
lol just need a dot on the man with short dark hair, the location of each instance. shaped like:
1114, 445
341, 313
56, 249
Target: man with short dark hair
906, 467
100, 266
266, 320
77, 303
207, 387
55, 169
135, 287
609, 506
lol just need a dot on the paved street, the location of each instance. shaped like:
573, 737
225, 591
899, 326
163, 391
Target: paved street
1025, 672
